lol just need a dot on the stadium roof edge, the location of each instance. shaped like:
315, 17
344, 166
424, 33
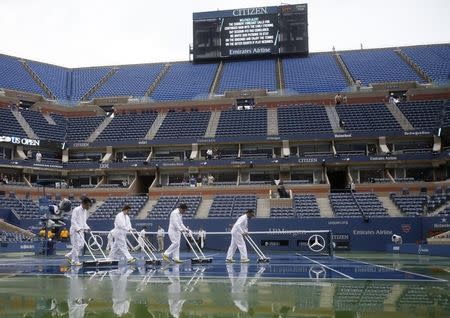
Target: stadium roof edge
176, 62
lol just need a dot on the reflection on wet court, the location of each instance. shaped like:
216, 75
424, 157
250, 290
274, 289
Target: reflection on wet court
353, 285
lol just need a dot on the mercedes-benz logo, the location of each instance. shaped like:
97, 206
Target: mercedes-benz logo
316, 243
317, 272
95, 242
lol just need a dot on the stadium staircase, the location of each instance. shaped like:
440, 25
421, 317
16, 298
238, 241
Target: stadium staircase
49, 119
155, 126
216, 82
398, 115
390, 206
99, 84
37, 79
158, 79
263, 208
394, 295
327, 295
325, 208
24, 124
203, 209
272, 121
213, 123
414, 66
7, 227
280, 75
333, 117
440, 209
344, 69
144, 211
100, 128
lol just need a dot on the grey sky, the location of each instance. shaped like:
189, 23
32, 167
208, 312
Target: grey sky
107, 32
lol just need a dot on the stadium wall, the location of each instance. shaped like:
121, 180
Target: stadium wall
373, 235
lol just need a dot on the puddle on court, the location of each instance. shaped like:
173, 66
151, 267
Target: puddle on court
185, 291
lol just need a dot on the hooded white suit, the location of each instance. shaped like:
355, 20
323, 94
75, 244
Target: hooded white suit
122, 226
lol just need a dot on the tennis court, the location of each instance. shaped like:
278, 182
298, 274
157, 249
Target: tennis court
290, 285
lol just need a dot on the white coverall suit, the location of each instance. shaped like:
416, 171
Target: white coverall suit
122, 226
237, 240
175, 227
77, 227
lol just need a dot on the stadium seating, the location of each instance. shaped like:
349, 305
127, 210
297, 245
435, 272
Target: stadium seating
83, 79
303, 119
123, 127
43, 129
423, 114
367, 117
433, 59
225, 206
378, 66
317, 73
185, 81
113, 205
234, 123
410, 205
9, 125
305, 206
25, 208
130, 80
183, 124
80, 128
344, 205
243, 75
13, 237
364, 297
415, 297
14, 76
167, 204
54, 77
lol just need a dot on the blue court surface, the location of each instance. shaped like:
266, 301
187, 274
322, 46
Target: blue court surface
290, 285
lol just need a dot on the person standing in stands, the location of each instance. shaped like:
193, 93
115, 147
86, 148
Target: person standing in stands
29, 154
77, 227
38, 156
176, 226
239, 230
160, 238
122, 226
338, 99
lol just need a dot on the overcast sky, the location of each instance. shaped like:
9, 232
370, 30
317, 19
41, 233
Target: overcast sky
109, 32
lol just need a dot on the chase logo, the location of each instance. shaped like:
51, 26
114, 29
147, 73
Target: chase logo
406, 228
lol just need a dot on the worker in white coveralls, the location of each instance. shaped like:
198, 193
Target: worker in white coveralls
77, 227
122, 226
176, 226
239, 230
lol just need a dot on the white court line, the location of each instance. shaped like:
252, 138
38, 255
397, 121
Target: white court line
392, 269
323, 265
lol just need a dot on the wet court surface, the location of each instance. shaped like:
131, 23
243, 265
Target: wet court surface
348, 285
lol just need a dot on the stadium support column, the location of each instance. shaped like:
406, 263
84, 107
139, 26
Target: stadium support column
383, 146
65, 156
437, 145
286, 150
20, 152
108, 155
194, 152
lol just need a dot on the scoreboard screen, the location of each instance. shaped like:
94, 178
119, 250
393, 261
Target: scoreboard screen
250, 32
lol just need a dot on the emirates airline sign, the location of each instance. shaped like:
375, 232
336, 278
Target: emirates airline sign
20, 141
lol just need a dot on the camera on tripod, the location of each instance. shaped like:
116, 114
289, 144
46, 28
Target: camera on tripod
57, 215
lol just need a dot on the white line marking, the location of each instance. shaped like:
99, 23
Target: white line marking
393, 269
331, 269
